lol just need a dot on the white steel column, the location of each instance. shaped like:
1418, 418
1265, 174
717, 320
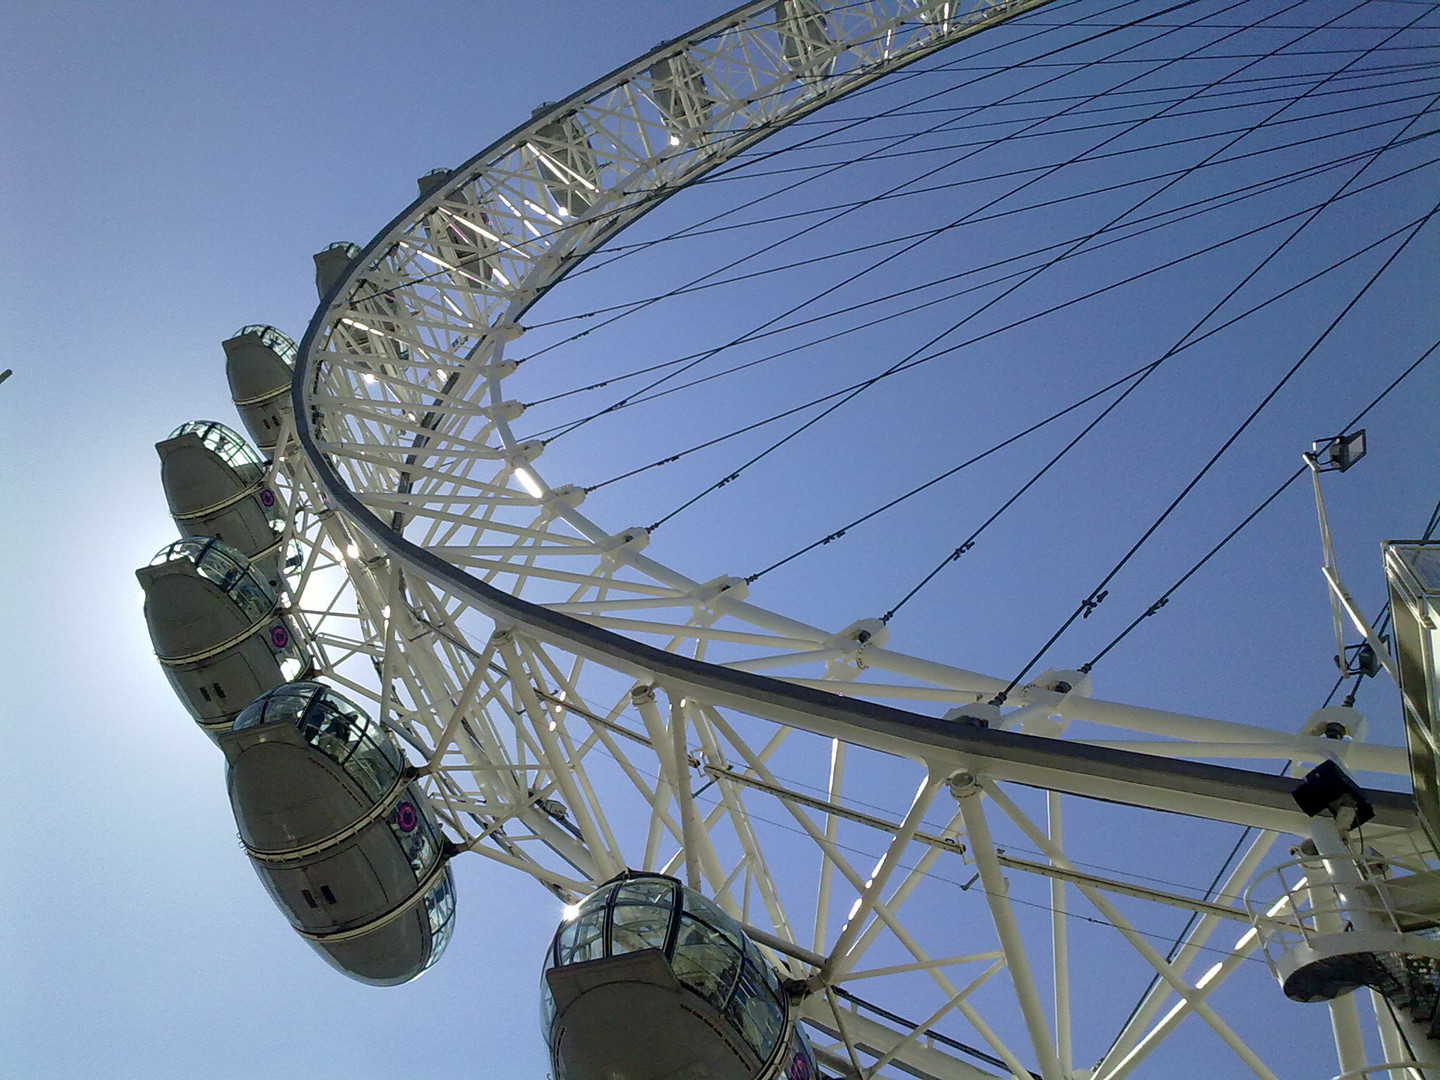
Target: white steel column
1194, 996
977, 830
1390, 1040
1060, 941
1345, 1025
840, 959
832, 823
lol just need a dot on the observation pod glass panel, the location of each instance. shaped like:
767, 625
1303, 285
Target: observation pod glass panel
217, 629
215, 484
259, 363
342, 837
644, 952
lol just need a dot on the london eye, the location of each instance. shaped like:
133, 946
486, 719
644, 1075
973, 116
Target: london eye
972, 340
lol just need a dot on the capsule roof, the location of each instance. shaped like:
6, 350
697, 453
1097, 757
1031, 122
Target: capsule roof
593, 929
214, 559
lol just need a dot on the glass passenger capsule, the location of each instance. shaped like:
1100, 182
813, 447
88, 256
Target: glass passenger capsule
217, 629
259, 361
215, 485
680, 93
461, 232
570, 170
809, 50
331, 263
645, 954
339, 833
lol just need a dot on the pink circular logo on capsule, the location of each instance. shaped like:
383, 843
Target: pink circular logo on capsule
406, 817
279, 637
267, 498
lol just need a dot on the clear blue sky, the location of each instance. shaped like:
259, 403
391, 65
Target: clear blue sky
167, 170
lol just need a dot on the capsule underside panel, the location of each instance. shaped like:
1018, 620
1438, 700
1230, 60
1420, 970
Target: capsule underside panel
388, 956
345, 887
594, 1035
216, 689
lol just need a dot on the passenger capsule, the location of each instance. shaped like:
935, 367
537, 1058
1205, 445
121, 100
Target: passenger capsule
216, 486
809, 50
333, 262
217, 629
461, 233
259, 362
339, 833
644, 954
568, 166
680, 93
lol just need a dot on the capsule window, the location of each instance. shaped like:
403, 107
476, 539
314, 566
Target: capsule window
309, 897
802, 1061
640, 918
583, 938
712, 913
415, 834
254, 598
327, 894
204, 693
440, 907
219, 693
287, 703
753, 1010
705, 961
440, 904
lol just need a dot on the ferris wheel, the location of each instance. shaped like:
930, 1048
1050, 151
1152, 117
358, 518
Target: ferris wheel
789, 848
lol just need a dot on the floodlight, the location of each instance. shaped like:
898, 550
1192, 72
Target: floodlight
1339, 452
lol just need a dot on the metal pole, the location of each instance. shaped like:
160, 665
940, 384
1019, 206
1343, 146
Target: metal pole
967, 794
